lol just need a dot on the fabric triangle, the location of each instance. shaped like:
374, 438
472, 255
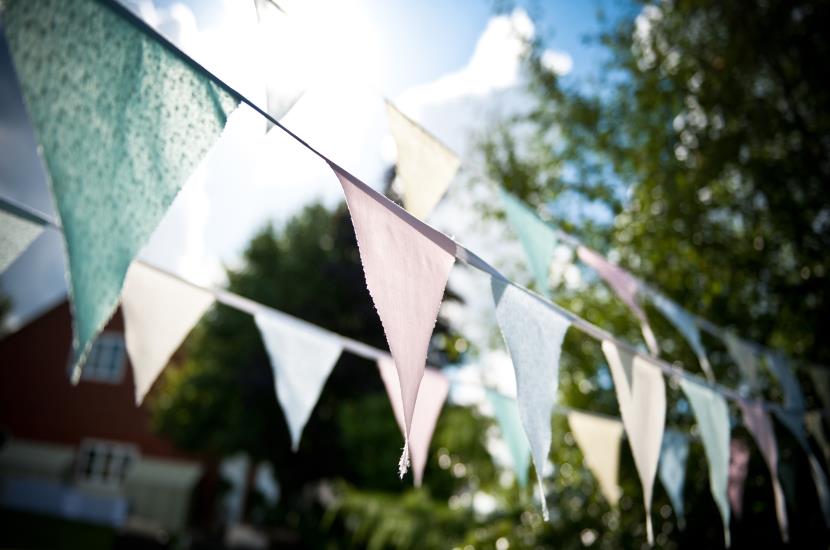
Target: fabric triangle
685, 323
672, 471
431, 397
506, 411
760, 426
815, 426
159, 312
302, 357
745, 357
821, 384
122, 121
425, 166
625, 286
641, 394
599, 440
538, 239
781, 369
795, 423
406, 264
16, 234
533, 333
712, 416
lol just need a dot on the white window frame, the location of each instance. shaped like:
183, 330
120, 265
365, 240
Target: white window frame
116, 349
101, 455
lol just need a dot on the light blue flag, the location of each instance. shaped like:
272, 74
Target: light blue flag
18, 230
712, 417
780, 368
672, 471
122, 122
506, 411
537, 238
794, 422
534, 333
685, 323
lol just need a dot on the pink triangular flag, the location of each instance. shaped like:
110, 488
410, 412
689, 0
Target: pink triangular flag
406, 264
759, 424
431, 398
625, 285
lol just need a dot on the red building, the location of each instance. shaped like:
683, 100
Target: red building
86, 452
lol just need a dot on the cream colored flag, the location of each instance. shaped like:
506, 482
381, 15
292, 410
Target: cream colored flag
641, 393
425, 166
159, 312
599, 440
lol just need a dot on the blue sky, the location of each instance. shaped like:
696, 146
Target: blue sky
437, 57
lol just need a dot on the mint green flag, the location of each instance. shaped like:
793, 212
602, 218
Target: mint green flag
712, 417
506, 411
537, 238
122, 122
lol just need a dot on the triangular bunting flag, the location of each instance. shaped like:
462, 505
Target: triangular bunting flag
759, 425
431, 398
537, 238
815, 426
17, 232
685, 323
159, 312
122, 122
506, 411
745, 357
534, 333
302, 357
795, 423
406, 264
625, 286
599, 440
425, 166
712, 416
781, 369
285, 73
672, 471
641, 394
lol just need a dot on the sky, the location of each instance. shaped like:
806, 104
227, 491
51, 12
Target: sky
451, 66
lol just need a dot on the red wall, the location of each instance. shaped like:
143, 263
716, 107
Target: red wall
38, 402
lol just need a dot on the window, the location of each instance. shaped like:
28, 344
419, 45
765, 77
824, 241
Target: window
106, 359
105, 462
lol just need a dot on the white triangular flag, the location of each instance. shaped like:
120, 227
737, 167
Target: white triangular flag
425, 166
16, 234
641, 394
534, 333
599, 440
302, 357
159, 312
431, 397
745, 357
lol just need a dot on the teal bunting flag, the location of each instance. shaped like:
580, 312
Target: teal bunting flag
506, 411
122, 122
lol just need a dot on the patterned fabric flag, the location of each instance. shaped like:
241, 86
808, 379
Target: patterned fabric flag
599, 440
159, 312
533, 333
781, 369
685, 323
431, 398
625, 286
537, 238
745, 357
122, 122
641, 394
17, 232
759, 425
302, 357
406, 264
712, 416
425, 166
672, 470
507, 415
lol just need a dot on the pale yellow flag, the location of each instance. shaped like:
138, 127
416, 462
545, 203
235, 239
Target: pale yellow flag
425, 166
599, 440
